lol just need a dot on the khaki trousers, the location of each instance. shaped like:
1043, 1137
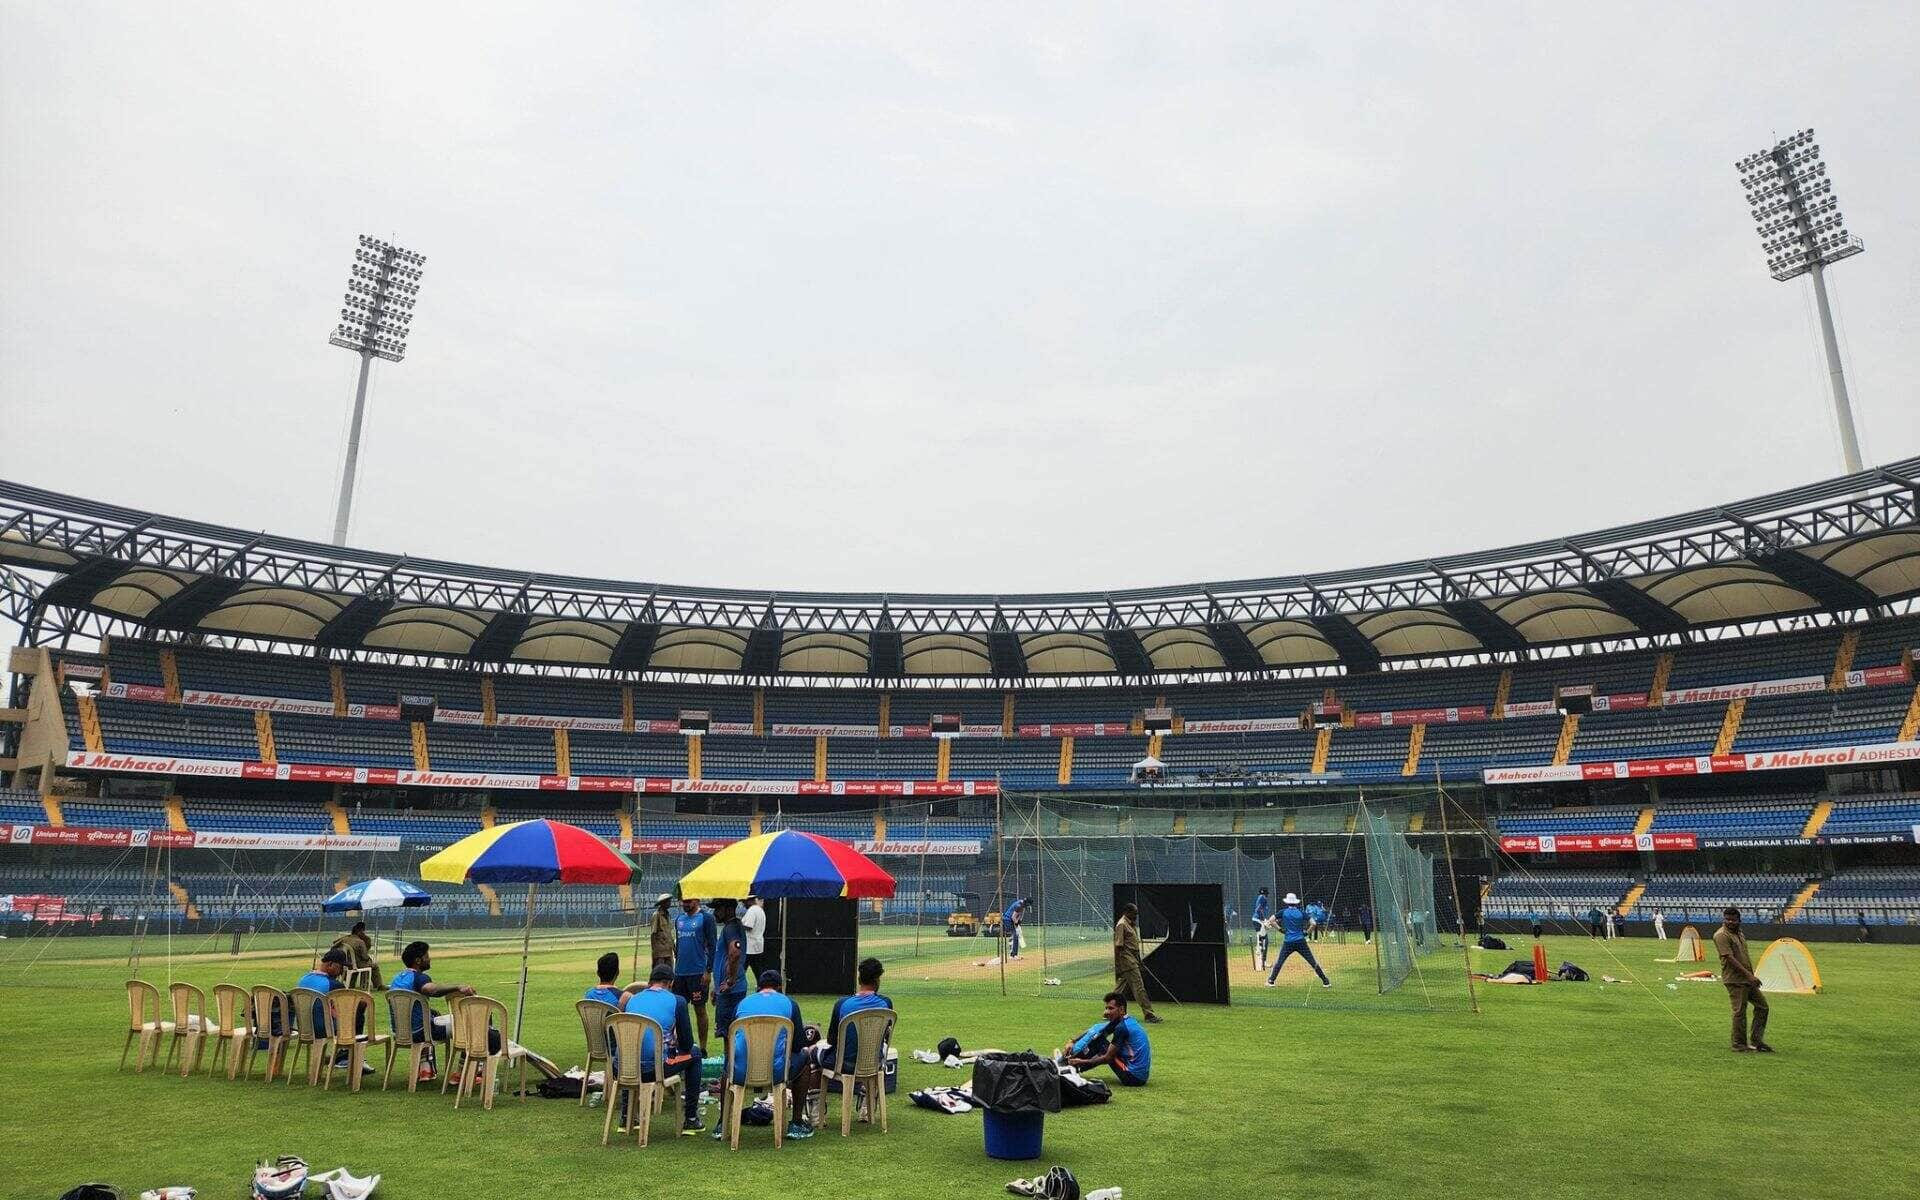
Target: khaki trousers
1128, 982
1741, 995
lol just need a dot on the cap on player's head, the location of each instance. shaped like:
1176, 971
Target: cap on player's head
661, 973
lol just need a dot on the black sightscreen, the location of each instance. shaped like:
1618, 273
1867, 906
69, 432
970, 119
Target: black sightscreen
1183, 939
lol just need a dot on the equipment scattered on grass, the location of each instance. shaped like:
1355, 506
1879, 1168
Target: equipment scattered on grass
281, 1179
1788, 967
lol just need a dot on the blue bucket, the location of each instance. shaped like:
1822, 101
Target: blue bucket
1013, 1135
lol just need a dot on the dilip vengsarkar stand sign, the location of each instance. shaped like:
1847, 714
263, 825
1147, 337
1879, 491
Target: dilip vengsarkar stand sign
1824, 757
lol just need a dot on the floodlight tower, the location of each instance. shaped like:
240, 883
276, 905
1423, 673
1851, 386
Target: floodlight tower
1803, 232
380, 295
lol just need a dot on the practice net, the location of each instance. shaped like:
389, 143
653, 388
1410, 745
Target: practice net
1367, 904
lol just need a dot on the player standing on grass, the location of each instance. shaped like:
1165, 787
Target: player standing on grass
1293, 940
1262, 909
1316, 919
695, 934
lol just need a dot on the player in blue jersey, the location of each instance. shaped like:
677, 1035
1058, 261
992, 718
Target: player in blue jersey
1316, 920
607, 989
1010, 921
694, 938
1117, 1041
668, 1011
1262, 909
1293, 922
729, 966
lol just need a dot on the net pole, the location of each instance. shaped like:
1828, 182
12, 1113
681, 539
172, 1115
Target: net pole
920, 904
1459, 914
1367, 852
1000, 882
170, 908
1040, 884
140, 912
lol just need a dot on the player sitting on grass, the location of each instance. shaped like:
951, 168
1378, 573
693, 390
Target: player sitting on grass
1117, 1041
1293, 940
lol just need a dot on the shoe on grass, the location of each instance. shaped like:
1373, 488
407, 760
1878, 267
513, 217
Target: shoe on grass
1763, 1048
1153, 1018
691, 1127
1742, 1048
799, 1130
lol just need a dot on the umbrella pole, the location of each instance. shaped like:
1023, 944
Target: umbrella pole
640, 910
783, 942
526, 942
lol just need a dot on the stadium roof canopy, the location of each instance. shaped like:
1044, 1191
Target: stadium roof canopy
1849, 546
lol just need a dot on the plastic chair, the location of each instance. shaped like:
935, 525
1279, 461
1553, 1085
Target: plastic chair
593, 1020
189, 1026
352, 1011
144, 1023
456, 1059
403, 1007
273, 1023
762, 1033
230, 1033
626, 1034
472, 1020
315, 1037
872, 1030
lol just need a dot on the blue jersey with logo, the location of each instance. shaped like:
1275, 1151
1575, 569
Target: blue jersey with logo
670, 1013
765, 1004
1261, 908
411, 980
1293, 923
319, 981
1130, 1036
1318, 913
845, 1007
605, 993
694, 938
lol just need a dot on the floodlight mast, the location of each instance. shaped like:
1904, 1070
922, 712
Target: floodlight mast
1803, 232
379, 304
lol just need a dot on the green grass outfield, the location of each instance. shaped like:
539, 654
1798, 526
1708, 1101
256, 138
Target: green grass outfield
1566, 1090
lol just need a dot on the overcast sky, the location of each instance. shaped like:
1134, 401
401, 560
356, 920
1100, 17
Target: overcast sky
985, 298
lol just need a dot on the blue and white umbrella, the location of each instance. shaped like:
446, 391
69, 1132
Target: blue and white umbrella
370, 894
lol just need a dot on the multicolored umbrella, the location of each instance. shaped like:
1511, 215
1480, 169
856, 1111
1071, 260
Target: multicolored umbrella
529, 852
370, 894
533, 853
786, 865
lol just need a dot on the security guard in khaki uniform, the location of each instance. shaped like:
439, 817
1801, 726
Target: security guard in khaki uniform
1743, 986
1127, 978
661, 938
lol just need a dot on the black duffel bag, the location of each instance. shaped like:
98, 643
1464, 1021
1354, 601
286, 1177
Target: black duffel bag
1016, 1083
